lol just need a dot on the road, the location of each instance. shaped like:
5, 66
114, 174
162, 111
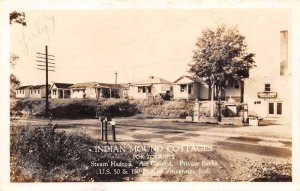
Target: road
242, 153
263, 140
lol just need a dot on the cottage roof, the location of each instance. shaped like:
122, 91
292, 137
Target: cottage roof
62, 85
39, 87
152, 80
83, 85
24, 87
107, 85
96, 84
194, 79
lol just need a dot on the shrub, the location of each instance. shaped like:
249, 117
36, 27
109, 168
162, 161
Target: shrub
42, 154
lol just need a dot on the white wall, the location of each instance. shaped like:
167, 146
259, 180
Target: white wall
77, 93
233, 92
91, 92
279, 84
22, 93
204, 91
178, 94
134, 94
54, 95
38, 93
195, 92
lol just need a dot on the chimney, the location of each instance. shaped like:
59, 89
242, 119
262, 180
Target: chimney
283, 52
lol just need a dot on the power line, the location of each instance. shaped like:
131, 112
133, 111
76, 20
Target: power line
45, 58
116, 77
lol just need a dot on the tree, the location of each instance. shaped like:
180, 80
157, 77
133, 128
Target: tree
221, 59
17, 17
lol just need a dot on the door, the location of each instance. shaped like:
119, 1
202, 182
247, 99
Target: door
275, 108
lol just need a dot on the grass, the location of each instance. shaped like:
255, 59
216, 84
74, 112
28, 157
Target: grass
43, 155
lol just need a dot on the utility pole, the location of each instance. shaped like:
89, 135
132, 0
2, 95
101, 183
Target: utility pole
44, 58
116, 77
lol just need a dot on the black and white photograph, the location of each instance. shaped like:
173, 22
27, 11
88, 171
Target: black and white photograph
151, 95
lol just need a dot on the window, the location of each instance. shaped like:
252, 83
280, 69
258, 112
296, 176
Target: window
267, 87
279, 108
271, 108
23, 91
140, 89
236, 86
182, 88
149, 89
38, 91
257, 102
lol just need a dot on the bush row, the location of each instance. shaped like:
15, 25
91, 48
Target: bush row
41, 154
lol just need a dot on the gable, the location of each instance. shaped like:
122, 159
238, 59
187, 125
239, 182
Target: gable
183, 80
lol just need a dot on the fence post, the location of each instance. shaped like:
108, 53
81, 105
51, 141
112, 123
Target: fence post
105, 122
101, 118
113, 127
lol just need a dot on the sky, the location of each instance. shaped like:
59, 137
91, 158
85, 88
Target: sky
91, 45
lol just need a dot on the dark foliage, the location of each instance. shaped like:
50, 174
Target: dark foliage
17, 17
42, 154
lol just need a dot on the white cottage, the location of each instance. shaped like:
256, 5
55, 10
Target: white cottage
23, 91
38, 91
95, 90
190, 88
150, 87
61, 90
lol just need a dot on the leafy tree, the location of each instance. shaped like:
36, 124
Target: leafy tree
17, 17
14, 83
221, 58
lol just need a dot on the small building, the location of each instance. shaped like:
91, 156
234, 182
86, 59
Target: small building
190, 88
84, 90
23, 91
95, 90
61, 90
268, 92
38, 91
150, 87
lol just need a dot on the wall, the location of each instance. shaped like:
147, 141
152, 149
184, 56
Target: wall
204, 92
54, 95
233, 92
195, 93
20, 94
64, 93
279, 84
134, 94
164, 88
77, 93
91, 93
178, 94
278, 74
36, 93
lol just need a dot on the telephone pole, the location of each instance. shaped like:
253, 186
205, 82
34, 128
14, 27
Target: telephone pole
45, 58
116, 77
